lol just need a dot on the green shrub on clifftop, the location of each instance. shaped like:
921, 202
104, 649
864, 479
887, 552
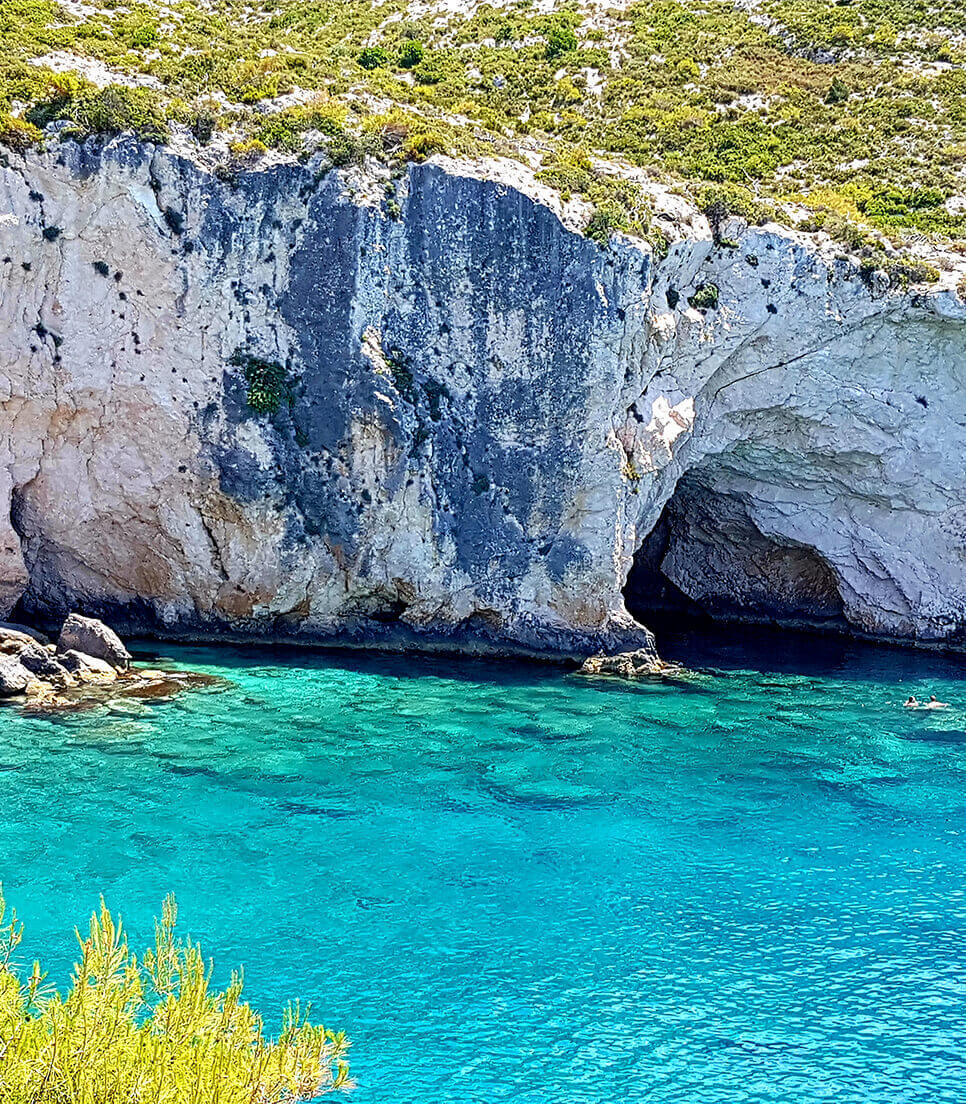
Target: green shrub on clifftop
561, 39
719, 202
607, 219
853, 108
111, 110
373, 57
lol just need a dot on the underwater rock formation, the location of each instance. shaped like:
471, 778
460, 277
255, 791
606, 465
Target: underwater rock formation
275, 407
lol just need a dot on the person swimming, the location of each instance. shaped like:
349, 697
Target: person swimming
911, 702
933, 703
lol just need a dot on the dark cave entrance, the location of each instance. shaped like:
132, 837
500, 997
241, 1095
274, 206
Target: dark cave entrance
707, 561
650, 596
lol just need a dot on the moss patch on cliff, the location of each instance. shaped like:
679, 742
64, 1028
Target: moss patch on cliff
269, 385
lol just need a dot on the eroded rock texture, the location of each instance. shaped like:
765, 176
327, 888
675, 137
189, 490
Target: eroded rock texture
480, 415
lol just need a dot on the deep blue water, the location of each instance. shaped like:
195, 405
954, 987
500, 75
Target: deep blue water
508, 883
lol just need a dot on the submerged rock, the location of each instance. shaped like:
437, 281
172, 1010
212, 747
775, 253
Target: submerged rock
133, 685
92, 638
159, 685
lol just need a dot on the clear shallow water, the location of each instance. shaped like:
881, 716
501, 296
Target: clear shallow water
510, 884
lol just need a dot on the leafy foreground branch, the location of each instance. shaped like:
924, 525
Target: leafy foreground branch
150, 1032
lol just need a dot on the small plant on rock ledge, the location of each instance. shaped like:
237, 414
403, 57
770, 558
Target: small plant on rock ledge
900, 272
720, 202
269, 384
903, 271
607, 219
705, 297
246, 153
18, 135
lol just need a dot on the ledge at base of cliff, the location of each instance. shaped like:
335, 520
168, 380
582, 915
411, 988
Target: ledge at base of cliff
526, 638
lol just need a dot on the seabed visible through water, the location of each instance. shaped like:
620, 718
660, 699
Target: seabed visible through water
509, 883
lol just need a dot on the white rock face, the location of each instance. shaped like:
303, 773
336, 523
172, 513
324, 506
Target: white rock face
832, 420
480, 416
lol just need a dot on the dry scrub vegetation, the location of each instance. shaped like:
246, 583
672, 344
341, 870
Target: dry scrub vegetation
151, 1031
852, 110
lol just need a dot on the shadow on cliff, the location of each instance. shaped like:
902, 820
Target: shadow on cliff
700, 646
805, 652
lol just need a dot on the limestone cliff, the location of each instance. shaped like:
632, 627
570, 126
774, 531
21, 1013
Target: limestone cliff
279, 405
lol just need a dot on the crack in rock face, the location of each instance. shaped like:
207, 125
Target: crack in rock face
294, 416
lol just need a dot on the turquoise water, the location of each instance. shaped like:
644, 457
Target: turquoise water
510, 884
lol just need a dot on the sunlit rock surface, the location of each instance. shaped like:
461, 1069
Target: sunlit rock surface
481, 415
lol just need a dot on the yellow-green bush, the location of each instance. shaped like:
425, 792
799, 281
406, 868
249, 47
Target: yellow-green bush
150, 1031
402, 136
248, 151
287, 129
721, 201
114, 109
16, 134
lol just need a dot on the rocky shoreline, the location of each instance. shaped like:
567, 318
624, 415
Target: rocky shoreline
87, 664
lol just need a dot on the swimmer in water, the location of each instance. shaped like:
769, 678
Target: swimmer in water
934, 704
911, 702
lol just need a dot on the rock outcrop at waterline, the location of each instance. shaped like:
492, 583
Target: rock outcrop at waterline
630, 665
51, 678
278, 406
30, 665
92, 637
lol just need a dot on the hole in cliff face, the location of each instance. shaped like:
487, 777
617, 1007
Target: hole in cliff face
706, 559
383, 605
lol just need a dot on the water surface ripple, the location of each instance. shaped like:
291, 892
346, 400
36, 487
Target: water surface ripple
510, 884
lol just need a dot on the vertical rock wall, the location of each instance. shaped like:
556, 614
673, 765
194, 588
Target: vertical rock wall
466, 418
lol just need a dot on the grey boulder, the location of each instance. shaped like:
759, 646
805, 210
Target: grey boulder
40, 663
639, 664
87, 668
14, 677
93, 638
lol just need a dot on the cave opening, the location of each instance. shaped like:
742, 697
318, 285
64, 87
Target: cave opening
706, 561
